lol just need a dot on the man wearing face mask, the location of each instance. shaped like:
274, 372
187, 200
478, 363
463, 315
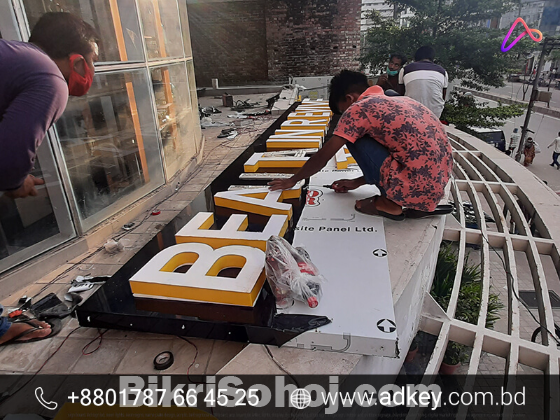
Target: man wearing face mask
390, 80
36, 78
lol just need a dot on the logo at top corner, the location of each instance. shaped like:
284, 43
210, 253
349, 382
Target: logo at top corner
527, 31
312, 198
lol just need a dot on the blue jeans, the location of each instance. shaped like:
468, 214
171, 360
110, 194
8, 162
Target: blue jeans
369, 155
4, 323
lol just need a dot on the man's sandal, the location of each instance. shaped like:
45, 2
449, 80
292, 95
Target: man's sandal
55, 324
440, 210
371, 210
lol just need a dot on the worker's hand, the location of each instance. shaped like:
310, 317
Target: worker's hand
383, 79
345, 185
27, 188
281, 184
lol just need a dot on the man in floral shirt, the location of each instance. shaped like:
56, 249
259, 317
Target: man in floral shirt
398, 143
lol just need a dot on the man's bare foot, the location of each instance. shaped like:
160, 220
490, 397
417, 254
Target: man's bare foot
380, 203
20, 327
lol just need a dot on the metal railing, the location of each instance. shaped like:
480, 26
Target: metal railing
520, 226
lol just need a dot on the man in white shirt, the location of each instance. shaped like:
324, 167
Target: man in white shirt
513, 141
556, 151
425, 81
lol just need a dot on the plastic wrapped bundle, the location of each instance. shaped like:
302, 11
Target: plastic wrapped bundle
291, 274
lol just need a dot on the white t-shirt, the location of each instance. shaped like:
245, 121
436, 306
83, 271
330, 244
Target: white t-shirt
424, 82
514, 140
556, 144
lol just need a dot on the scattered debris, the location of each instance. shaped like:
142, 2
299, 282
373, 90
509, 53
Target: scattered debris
112, 246
226, 133
271, 101
163, 361
208, 122
227, 100
128, 226
243, 105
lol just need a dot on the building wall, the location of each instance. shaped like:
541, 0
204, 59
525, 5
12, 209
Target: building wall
229, 41
530, 12
312, 38
386, 10
242, 41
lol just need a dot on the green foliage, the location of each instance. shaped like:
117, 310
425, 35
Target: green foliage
470, 291
464, 112
467, 51
444, 277
469, 300
455, 353
554, 55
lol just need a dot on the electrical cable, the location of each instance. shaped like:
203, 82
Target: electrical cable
194, 360
510, 281
42, 366
98, 337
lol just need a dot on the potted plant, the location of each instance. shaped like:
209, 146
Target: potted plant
455, 354
412, 351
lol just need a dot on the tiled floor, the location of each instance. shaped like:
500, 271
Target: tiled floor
131, 352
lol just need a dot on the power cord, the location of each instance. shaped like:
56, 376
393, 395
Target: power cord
40, 368
194, 360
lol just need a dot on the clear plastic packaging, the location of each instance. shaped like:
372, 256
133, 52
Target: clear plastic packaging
291, 274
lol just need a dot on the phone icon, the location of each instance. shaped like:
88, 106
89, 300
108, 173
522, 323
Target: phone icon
48, 405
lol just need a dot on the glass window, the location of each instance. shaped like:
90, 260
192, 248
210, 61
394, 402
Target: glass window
32, 225
174, 110
185, 28
194, 100
110, 145
115, 21
162, 28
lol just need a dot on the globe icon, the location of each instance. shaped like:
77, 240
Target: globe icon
300, 398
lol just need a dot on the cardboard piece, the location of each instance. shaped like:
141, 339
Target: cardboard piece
349, 250
201, 282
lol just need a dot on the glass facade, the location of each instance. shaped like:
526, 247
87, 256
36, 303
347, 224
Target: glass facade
136, 128
110, 144
162, 28
174, 111
115, 21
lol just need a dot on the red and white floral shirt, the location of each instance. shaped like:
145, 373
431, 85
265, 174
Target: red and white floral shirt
420, 160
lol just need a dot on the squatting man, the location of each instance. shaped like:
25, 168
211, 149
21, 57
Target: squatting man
398, 143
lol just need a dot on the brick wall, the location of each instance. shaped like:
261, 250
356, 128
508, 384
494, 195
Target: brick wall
242, 41
312, 37
229, 41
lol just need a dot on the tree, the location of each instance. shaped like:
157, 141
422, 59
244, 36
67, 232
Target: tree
467, 50
464, 112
